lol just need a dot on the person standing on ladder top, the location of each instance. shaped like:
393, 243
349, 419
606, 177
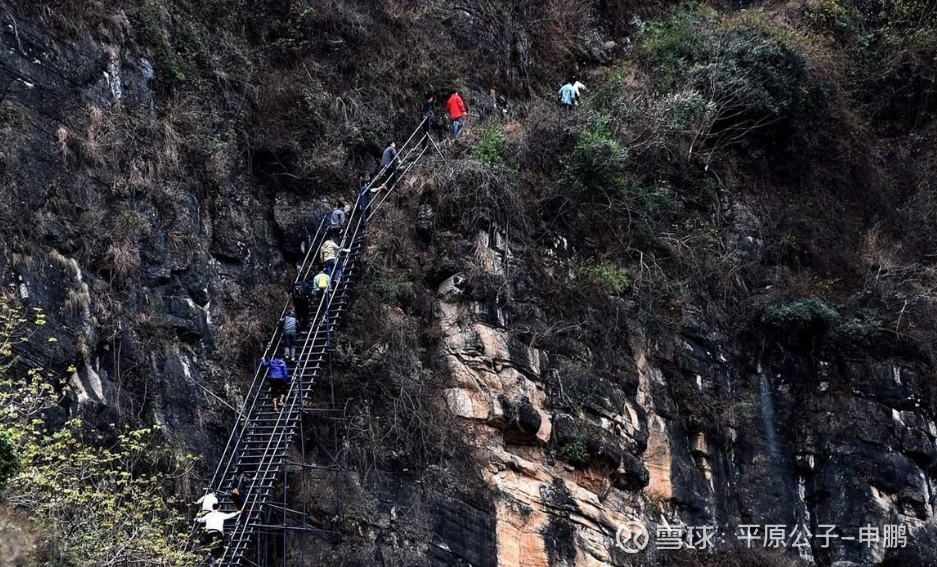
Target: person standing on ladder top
567, 95
239, 490
456, 107
578, 88
288, 327
208, 502
300, 294
390, 161
279, 377
214, 529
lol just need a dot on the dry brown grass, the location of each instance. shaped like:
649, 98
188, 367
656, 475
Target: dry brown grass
77, 300
122, 258
70, 265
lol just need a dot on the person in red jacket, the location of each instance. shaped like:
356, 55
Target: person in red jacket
456, 108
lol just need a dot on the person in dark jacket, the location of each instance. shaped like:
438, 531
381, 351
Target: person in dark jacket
288, 326
300, 294
364, 200
429, 115
278, 375
239, 491
390, 161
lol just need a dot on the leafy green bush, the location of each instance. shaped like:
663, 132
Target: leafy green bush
837, 17
800, 315
594, 167
391, 288
575, 453
810, 317
862, 328
669, 44
9, 465
749, 84
95, 503
610, 278
491, 147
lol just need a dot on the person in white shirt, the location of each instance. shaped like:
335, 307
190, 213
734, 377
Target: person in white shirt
214, 529
208, 502
578, 89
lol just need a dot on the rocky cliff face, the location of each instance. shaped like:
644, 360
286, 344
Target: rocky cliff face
161, 257
805, 442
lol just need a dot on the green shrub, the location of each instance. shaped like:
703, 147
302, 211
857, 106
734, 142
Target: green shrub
862, 328
810, 317
836, 17
574, 452
668, 45
749, 84
179, 60
594, 167
799, 315
610, 278
491, 147
9, 465
391, 288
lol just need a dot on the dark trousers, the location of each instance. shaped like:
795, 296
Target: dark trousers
289, 345
215, 546
278, 387
302, 311
390, 176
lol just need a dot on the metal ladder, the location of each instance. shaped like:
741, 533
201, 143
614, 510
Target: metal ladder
261, 438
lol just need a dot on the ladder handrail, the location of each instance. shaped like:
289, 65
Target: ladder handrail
242, 417
282, 434
281, 437
409, 167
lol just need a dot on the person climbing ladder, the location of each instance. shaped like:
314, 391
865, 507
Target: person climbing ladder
214, 531
279, 379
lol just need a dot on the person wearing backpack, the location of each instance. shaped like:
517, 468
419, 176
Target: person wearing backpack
321, 282
300, 293
288, 327
278, 375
